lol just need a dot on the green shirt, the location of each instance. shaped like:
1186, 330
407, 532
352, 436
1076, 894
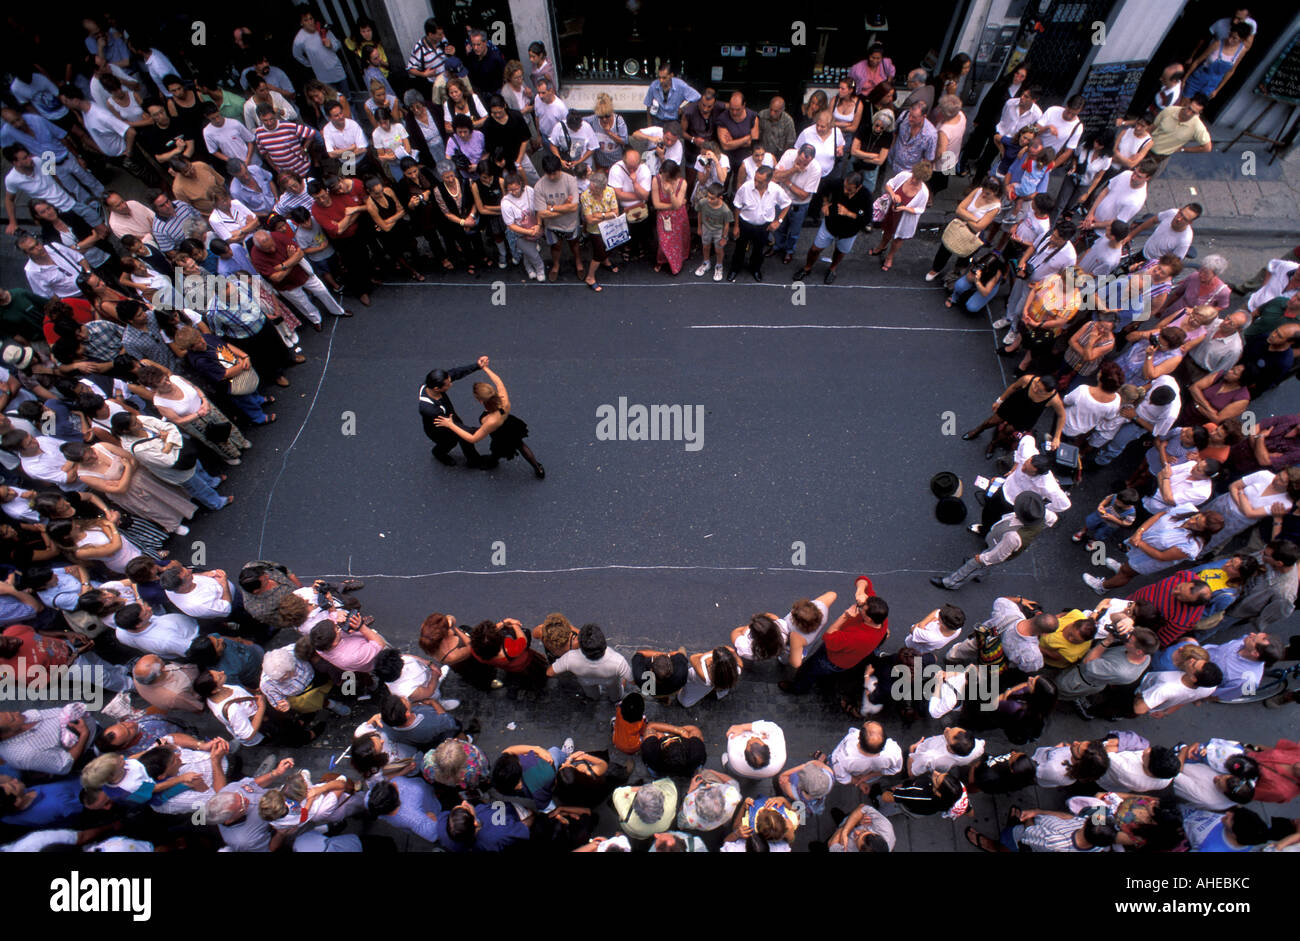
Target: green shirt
232, 106
23, 316
1269, 317
711, 218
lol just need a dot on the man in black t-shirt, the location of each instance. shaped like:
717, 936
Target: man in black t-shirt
508, 131
667, 672
846, 211
673, 751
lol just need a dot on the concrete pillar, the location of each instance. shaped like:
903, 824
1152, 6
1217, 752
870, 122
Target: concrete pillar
405, 22
531, 22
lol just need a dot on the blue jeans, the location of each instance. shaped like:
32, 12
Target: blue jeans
1116, 445
203, 488
977, 301
788, 234
811, 670
1098, 527
251, 405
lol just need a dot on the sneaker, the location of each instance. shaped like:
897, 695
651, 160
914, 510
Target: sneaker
567, 747
717, 272
268, 763
182, 530
1080, 536
931, 275
702, 270
449, 704
1112, 564
976, 528
496, 684
999, 324
444, 671
1081, 707
338, 708
1095, 583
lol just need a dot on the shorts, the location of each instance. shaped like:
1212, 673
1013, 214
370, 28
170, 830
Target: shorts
560, 235
712, 236
824, 238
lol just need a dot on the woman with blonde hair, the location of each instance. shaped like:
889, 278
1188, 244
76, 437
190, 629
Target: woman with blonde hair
507, 431
907, 196
610, 130
950, 122
557, 634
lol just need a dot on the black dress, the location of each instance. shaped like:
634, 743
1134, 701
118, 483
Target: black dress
1020, 411
507, 439
399, 240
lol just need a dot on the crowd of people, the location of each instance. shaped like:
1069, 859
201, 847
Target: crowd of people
152, 333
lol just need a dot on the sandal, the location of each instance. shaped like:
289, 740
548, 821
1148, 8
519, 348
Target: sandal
417, 276
980, 841
876, 251
885, 265
613, 268
270, 420
850, 708
594, 286
553, 274
820, 755
447, 265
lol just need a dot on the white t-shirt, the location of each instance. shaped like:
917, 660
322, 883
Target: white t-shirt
825, 148
1128, 143
519, 210
1183, 488
346, 138
1127, 774
750, 165
927, 636
416, 673
231, 140
1101, 258
204, 601
611, 668
107, 130
1165, 241
187, 403
238, 718
1122, 201
1195, 785
1279, 272
395, 139
651, 157
167, 635
548, 116
1051, 766
933, 755
1161, 417
744, 644
848, 760
226, 224
1083, 413
787, 626
1012, 119
807, 179
1031, 228
1253, 487
1069, 131
574, 144
772, 736
1166, 689
621, 179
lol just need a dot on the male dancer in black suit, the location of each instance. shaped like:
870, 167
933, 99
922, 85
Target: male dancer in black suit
435, 402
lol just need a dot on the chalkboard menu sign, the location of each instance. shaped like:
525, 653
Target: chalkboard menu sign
1108, 92
1282, 80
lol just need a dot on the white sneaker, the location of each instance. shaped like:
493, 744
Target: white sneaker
338, 708
567, 747
1113, 564
717, 272
444, 671
702, 270
999, 324
931, 275
449, 704
182, 530
1093, 582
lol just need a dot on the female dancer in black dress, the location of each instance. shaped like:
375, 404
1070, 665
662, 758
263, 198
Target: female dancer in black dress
507, 431
391, 225
1017, 410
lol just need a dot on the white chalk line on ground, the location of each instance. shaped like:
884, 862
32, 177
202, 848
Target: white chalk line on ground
821, 326
650, 568
284, 463
485, 283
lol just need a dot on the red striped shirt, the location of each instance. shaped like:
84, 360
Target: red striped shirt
1179, 616
284, 146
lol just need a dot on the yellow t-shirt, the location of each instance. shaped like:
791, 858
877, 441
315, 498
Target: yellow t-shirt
1169, 135
1058, 651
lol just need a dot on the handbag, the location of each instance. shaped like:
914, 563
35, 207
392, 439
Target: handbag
246, 382
959, 239
218, 432
637, 214
880, 208
614, 232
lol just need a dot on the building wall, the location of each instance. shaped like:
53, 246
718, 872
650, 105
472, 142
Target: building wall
1137, 29
1246, 105
406, 20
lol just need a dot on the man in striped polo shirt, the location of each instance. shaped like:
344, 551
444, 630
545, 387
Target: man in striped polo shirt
283, 144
